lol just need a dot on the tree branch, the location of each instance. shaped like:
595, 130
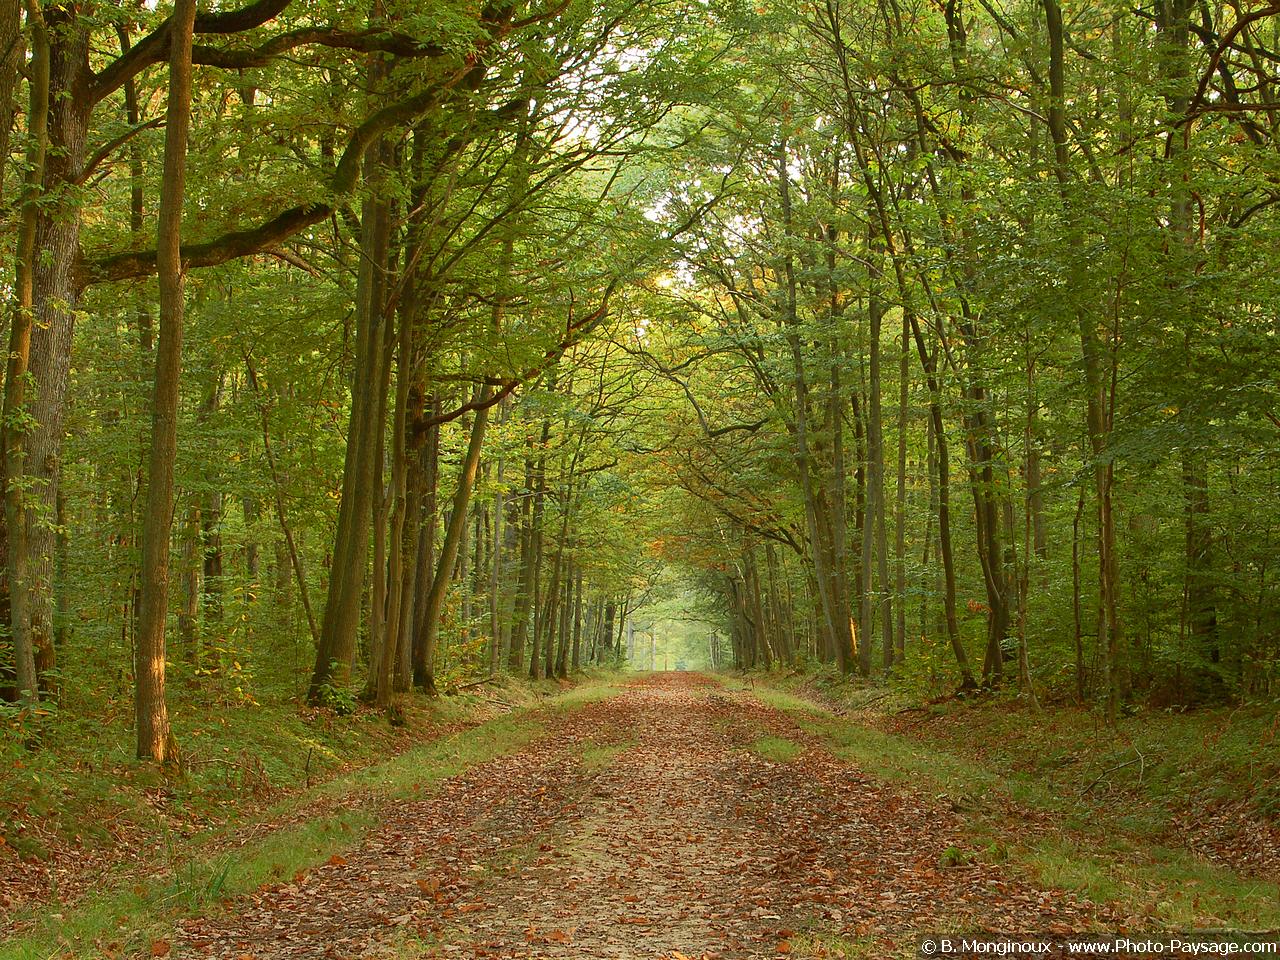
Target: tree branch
242, 243
576, 329
1197, 104
102, 153
365, 41
154, 47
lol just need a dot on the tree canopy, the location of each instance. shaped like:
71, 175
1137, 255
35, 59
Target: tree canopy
359, 348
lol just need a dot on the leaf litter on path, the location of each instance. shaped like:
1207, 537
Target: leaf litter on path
686, 845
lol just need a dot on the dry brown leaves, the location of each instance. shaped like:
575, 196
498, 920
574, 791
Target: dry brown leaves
686, 846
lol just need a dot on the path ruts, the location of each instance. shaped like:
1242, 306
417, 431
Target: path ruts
672, 839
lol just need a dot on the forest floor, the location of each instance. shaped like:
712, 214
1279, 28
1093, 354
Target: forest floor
674, 819
682, 816
98, 852
1171, 816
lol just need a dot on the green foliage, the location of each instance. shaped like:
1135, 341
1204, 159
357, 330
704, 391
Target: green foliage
759, 288
340, 699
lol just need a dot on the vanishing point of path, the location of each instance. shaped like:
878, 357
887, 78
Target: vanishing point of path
640, 826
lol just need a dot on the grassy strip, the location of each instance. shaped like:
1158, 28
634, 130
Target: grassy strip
129, 919
777, 749
1097, 854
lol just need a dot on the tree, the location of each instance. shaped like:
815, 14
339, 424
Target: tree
154, 738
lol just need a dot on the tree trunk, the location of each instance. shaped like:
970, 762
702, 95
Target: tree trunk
836, 618
551, 612
155, 742
535, 547
566, 623
411, 535
900, 501
577, 619
379, 653
497, 551
524, 576
341, 618
929, 364
453, 537
396, 608
1097, 418
874, 528
425, 565
43, 358
606, 635
11, 55
17, 594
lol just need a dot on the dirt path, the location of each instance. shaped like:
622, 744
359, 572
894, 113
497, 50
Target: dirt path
640, 826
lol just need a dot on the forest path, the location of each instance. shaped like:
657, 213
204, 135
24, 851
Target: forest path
644, 825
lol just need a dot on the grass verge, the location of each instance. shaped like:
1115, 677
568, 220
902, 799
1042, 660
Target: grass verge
777, 749
1110, 853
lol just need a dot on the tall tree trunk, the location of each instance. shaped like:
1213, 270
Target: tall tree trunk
535, 548
1183, 262
56, 298
11, 55
566, 622
834, 615
1076, 616
453, 536
1035, 490
497, 553
341, 618
396, 609
17, 592
755, 606
606, 635
524, 576
378, 587
1097, 409
1024, 578
943, 462
411, 535
462, 577
551, 612
155, 742
425, 565
577, 619
900, 500
874, 528
779, 613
